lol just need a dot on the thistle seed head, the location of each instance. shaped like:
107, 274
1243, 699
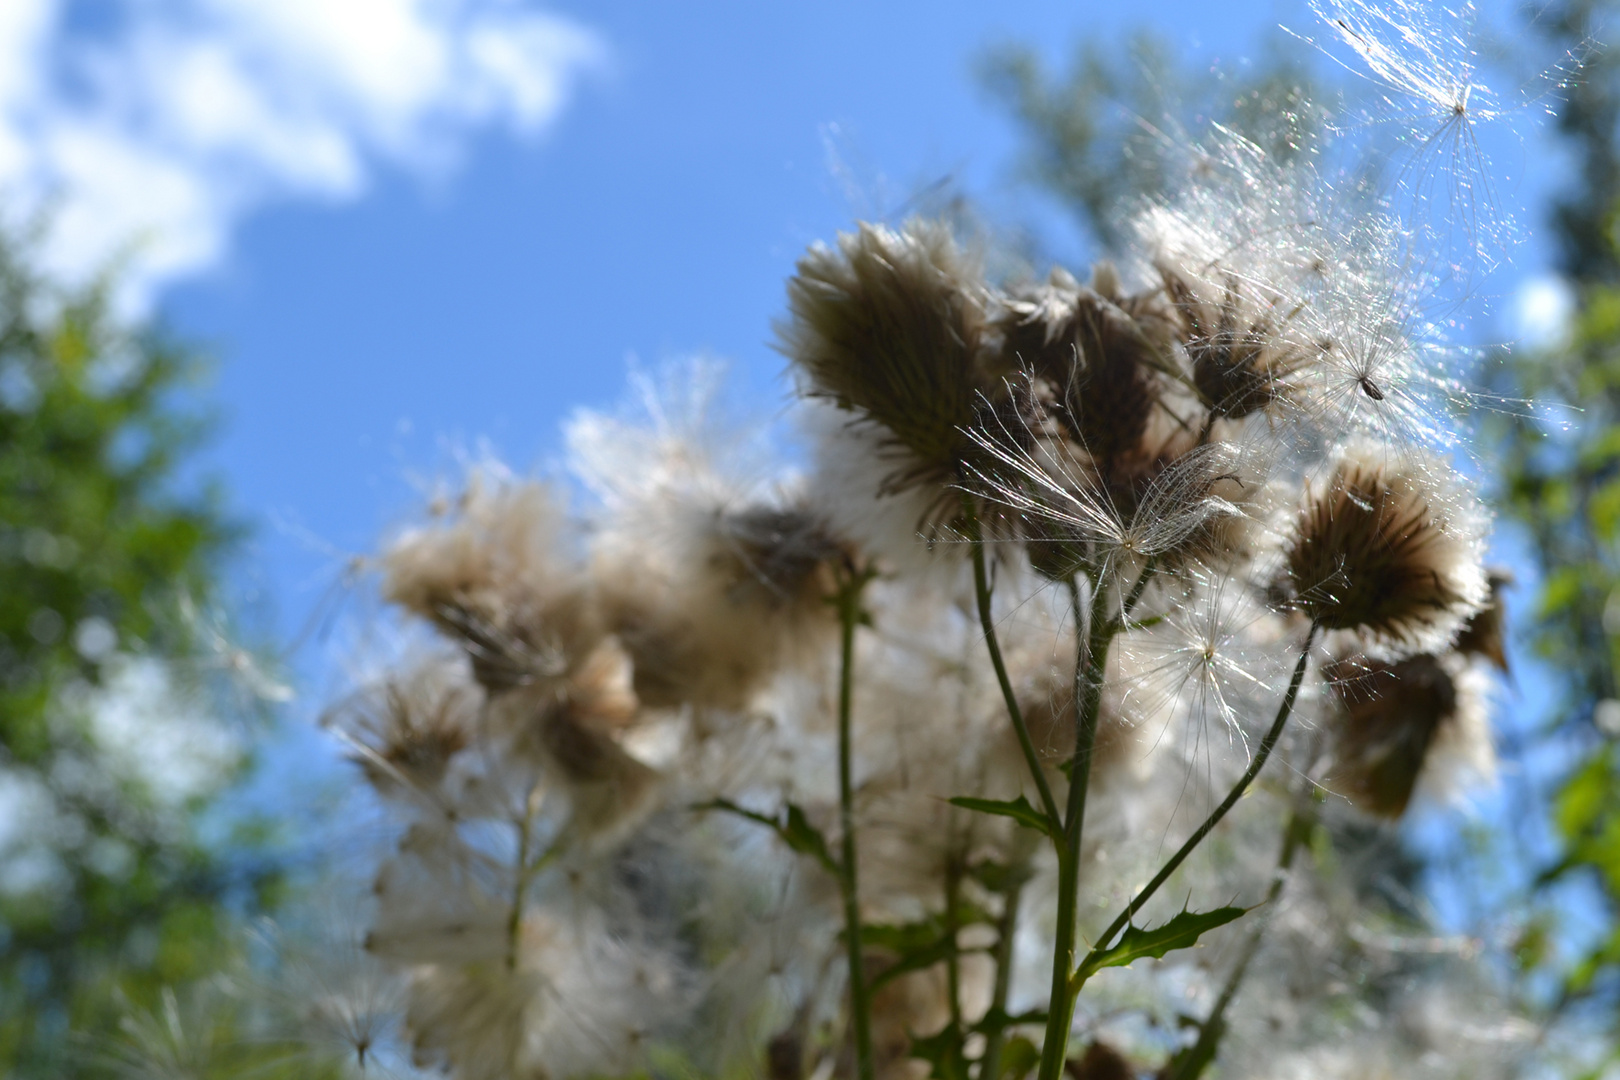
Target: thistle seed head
892, 325
1391, 551
1242, 350
404, 733
780, 557
1391, 718
1103, 367
494, 577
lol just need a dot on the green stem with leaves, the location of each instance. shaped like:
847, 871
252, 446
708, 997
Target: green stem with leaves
1267, 745
850, 615
1191, 1062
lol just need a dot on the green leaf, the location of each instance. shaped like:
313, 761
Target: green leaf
998, 1019
921, 944
1018, 809
1181, 932
805, 838
998, 877
793, 827
935, 952
942, 1050
1018, 1058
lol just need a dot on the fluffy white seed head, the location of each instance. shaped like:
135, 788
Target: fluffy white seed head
496, 576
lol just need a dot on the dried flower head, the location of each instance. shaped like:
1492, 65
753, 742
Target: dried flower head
404, 732
892, 325
494, 576
1100, 1062
1391, 716
575, 730
1389, 550
1101, 367
1243, 348
741, 590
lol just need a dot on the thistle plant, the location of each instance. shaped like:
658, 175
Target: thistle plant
950, 752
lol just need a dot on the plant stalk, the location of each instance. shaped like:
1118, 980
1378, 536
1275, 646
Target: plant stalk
953, 967
1201, 1054
1098, 633
848, 600
1006, 934
520, 884
1267, 744
982, 591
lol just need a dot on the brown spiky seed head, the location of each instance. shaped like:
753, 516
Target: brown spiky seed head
780, 556
1103, 364
494, 576
1486, 633
1100, 1062
891, 325
1390, 550
1242, 350
1390, 716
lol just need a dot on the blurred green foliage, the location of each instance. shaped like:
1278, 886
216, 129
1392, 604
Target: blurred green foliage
107, 552
1560, 479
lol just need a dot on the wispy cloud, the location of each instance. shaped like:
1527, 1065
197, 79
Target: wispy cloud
148, 128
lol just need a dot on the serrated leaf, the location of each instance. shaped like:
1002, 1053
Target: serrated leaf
792, 826
1181, 932
1018, 809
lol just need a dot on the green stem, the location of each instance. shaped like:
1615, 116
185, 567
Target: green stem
1088, 679
1135, 596
1267, 744
1006, 934
849, 617
520, 885
953, 968
981, 586
1191, 1063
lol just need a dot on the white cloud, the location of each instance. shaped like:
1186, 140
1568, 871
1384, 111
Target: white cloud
150, 133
